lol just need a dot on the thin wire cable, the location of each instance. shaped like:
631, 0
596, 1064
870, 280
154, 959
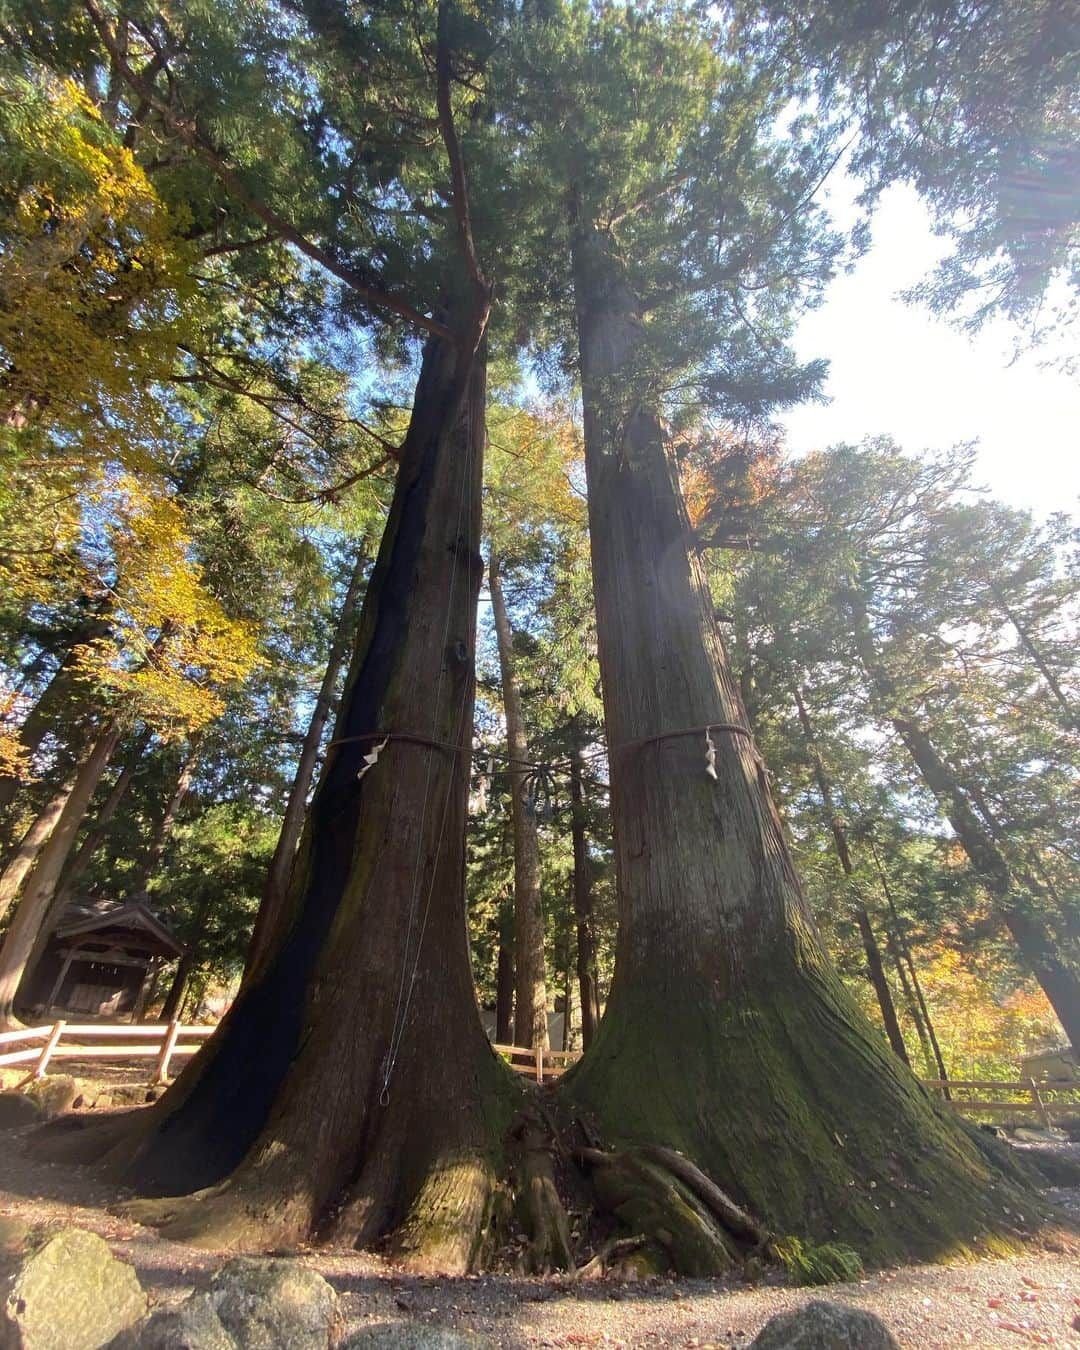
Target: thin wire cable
460, 728
403, 999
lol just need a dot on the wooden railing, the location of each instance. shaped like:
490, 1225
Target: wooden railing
161, 1041
1039, 1097
538, 1064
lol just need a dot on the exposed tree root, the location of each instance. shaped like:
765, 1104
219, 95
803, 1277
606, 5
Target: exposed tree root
448, 1229
735, 1219
75, 1138
539, 1205
648, 1196
216, 1219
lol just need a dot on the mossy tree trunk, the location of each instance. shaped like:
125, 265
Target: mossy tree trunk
530, 979
351, 1090
727, 1033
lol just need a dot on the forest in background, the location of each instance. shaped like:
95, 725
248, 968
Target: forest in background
219, 247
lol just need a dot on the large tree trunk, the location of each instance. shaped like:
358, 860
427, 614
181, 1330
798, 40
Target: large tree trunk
874, 966
281, 864
727, 1033
351, 1086
41, 884
583, 917
530, 981
1057, 975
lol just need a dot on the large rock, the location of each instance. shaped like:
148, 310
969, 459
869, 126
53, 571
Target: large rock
251, 1304
266, 1302
825, 1326
17, 1109
71, 1294
194, 1325
54, 1094
413, 1336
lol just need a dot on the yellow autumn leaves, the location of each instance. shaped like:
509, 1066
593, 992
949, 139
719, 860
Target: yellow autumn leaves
171, 646
93, 272
96, 294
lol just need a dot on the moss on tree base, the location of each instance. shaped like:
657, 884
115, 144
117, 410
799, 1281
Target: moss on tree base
800, 1112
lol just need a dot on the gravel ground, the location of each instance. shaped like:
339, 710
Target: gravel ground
1033, 1299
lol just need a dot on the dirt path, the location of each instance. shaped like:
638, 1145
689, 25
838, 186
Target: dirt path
1031, 1300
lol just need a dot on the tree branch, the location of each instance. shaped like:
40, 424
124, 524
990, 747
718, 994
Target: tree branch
185, 128
453, 151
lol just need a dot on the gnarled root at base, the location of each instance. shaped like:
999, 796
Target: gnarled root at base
449, 1229
219, 1219
539, 1205
661, 1194
75, 1138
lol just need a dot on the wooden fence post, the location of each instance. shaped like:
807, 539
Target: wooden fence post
47, 1049
1040, 1105
539, 1063
167, 1048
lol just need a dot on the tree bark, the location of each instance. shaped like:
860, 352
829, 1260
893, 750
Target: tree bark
41, 883
178, 987
874, 966
1058, 977
586, 942
281, 864
352, 1075
727, 1033
530, 980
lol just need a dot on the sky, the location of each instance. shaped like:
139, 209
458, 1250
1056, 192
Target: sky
896, 369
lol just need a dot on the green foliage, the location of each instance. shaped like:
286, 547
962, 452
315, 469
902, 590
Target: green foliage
824, 1263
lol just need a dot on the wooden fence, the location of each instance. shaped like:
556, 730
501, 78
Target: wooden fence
538, 1064
1044, 1098
160, 1041
165, 1041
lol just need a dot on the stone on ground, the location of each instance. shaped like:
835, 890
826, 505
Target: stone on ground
413, 1336
17, 1109
70, 1294
54, 1094
268, 1302
825, 1326
251, 1304
194, 1325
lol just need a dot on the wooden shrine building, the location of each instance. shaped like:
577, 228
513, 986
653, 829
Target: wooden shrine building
100, 961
